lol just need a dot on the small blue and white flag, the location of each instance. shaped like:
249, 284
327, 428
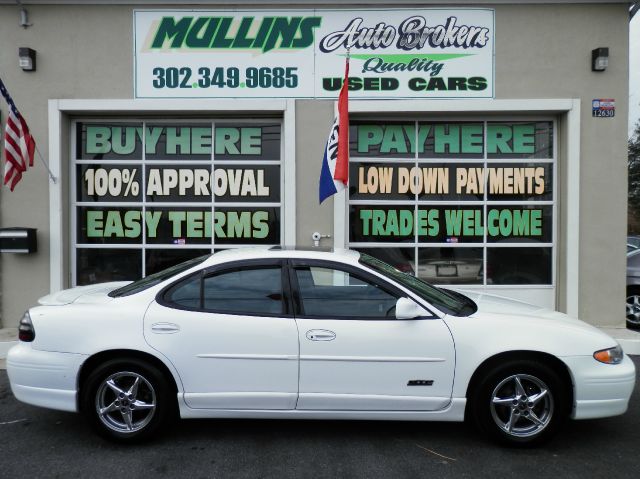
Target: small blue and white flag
334, 175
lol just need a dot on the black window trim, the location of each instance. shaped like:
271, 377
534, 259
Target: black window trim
287, 306
383, 284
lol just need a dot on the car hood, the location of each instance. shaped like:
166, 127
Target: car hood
510, 311
95, 293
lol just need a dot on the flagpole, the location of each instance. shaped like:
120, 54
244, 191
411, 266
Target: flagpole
46, 165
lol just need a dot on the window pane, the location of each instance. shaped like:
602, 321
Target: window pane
387, 224
451, 140
247, 141
382, 139
520, 140
331, 293
520, 182
449, 182
160, 259
103, 182
380, 181
519, 223
450, 224
248, 225
178, 142
108, 141
186, 293
450, 265
179, 225
245, 291
101, 265
519, 266
109, 225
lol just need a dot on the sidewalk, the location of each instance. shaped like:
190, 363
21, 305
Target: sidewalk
628, 339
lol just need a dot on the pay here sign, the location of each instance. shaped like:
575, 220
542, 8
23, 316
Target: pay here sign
426, 53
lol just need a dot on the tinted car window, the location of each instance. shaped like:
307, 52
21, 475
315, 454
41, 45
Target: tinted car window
331, 293
186, 293
253, 291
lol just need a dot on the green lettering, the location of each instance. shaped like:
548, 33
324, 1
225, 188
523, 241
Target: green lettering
260, 223
524, 139
132, 224
472, 139
251, 141
176, 218
169, 29
98, 139
368, 136
94, 224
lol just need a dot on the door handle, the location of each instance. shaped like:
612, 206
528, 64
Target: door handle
165, 328
320, 335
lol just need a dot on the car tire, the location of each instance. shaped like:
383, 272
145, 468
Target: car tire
633, 308
126, 400
520, 403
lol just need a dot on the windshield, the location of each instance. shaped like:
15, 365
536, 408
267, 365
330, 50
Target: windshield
449, 302
156, 278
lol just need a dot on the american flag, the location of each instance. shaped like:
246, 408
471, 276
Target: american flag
19, 145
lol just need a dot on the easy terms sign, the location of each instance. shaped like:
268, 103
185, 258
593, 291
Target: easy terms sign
427, 53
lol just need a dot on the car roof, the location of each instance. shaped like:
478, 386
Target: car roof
238, 254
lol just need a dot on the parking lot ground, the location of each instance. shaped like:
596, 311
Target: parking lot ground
39, 443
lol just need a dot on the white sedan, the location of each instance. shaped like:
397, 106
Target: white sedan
255, 333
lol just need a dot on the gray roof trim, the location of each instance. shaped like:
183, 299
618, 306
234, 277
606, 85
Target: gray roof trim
256, 4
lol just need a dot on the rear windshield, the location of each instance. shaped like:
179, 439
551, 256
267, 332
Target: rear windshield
449, 302
156, 278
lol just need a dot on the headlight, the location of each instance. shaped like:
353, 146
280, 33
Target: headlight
609, 356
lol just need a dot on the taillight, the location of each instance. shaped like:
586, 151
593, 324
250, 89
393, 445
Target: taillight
26, 332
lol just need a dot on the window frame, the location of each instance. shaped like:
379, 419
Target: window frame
177, 120
287, 307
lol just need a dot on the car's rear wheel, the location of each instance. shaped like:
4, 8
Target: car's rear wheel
126, 400
520, 403
633, 308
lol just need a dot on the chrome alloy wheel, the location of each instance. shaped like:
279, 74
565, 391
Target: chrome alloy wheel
522, 405
125, 402
633, 309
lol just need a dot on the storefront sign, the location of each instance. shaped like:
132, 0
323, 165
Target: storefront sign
426, 53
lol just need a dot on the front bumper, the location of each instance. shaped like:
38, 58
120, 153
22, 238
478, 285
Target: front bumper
44, 378
600, 390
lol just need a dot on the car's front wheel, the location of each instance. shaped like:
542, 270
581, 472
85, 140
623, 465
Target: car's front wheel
520, 403
126, 400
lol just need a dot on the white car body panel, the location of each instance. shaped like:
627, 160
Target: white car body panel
363, 367
248, 367
245, 362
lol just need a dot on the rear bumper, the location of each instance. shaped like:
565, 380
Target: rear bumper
44, 378
600, 390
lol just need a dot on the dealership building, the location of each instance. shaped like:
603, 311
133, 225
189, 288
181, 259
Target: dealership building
488, 141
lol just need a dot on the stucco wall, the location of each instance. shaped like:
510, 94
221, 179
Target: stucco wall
542, 51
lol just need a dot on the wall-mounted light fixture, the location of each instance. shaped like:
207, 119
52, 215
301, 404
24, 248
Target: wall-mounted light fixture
27, 59
599, 59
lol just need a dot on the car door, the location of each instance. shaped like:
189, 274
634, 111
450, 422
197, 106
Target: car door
355, 354
231, 335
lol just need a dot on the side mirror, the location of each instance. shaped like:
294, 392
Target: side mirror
408, 309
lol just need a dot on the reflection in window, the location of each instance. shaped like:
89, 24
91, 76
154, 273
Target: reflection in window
519, 266
450, 265
244, 291
331, 293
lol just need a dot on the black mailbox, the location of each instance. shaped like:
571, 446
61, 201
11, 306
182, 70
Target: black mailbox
18, 240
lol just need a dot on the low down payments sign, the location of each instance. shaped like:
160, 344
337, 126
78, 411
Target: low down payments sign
426, 53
